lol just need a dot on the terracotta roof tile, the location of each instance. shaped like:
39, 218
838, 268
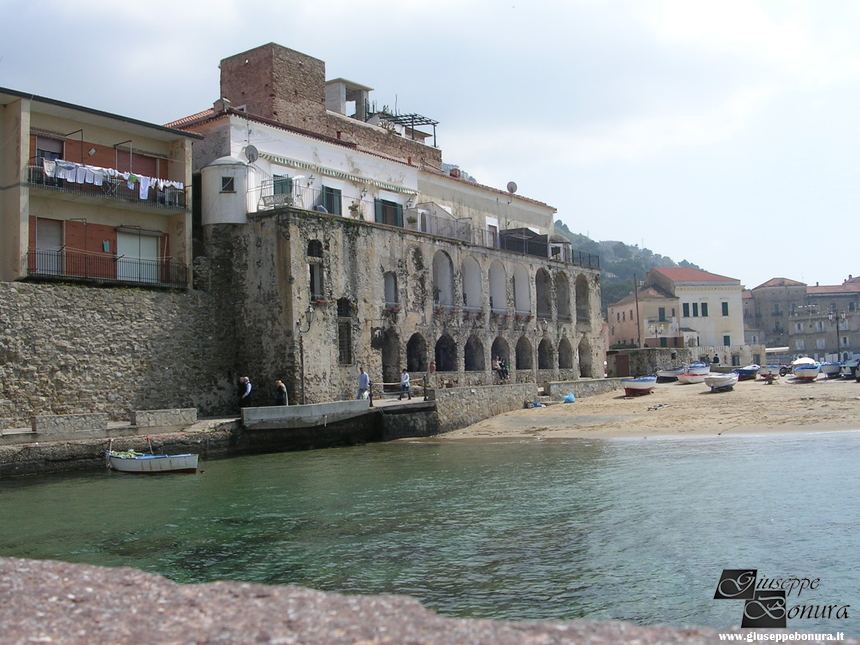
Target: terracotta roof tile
781, 282
686, 274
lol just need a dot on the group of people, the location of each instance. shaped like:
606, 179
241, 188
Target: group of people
501, 367
245, 388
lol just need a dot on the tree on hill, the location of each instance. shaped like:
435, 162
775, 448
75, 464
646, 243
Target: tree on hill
620, 263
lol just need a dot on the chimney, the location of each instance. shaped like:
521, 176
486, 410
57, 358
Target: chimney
221, 105
454, 172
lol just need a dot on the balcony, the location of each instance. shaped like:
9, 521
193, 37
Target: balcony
111, 188
77, 266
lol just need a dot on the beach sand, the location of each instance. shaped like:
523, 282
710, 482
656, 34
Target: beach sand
673, 409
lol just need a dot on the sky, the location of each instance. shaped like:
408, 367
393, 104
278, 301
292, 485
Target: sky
722, 133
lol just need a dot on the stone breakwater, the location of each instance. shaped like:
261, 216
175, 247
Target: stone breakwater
67, 350
73, 604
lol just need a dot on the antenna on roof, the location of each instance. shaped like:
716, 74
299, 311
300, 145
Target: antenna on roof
512, 187
251, 153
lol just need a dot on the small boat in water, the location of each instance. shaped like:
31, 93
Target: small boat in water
637, 386
130, 461
691, 378
831, 370
721, 382
748, 373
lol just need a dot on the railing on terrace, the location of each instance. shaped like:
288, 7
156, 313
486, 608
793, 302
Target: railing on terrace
265, 198
93, 267
114, 188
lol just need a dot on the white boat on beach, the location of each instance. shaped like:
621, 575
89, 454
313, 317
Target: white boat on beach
671, 375
637, 386
807, 372
769, 370
721, 382
699, 368
831, 370
691, 378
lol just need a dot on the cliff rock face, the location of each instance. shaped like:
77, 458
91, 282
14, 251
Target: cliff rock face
56, 602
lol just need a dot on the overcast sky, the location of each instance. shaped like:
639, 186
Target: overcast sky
724, 133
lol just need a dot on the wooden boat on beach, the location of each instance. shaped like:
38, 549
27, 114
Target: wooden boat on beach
672, 374
748, 373
691, 378
831, 370
721, 382
637, 386
699, 368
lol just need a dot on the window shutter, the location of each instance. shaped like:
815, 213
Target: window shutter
282, 185
378, 211
398, 215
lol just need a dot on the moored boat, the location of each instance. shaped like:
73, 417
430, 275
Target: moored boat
637, 386
691, 378
721, 382
699, 368
129, 461
831, 370
747, 373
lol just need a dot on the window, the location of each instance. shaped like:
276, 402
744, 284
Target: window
661, 314
623, 315
331, 200
819, 343
228, 185
282, 185
799, 344
390, 284
725, 306
727, 340
617, 317
776, 311
819, 325
315, 270
344, 331
844, 341
686, 307
851, 306
387, 212
704, 310
798, 328
695, 310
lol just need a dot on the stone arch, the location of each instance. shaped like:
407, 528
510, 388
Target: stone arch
543, 294
391, 296
443, 280
524, 360
416, 354
522, 295
473, 293
500, 348
315, 249
545, 355
473, 355
585, 367
446, 354
565, 355
498, 279
562, 295
583, 299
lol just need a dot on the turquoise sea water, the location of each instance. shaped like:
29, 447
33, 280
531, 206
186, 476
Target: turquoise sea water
625, 529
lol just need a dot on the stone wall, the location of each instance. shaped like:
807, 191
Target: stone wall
581, 389
72, 350
461, 407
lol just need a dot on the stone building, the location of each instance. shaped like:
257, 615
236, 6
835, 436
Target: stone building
341, 242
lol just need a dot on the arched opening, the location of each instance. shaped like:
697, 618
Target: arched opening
501, 350
565, 355
443, 281
446, 354
498, 291
473, 355
472, 291
391, 364
522, 297
524, 354
315, 249
583, 300
545, 355
416, 355
562, 295
390, 281
585, 368
543, 294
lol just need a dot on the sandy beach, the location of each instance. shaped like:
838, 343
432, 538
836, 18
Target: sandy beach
673, 409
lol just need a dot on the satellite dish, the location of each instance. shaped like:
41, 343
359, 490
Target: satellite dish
512, 187
251, 153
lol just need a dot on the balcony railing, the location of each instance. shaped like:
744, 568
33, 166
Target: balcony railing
78, 266
113, 188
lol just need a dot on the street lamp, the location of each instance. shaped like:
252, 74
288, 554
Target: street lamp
656, 330
308, 315
834, 317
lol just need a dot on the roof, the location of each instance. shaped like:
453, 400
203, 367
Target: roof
781, 282
74, 112
686, 274
845, 288
652, 292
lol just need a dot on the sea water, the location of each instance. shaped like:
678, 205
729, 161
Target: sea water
630, 529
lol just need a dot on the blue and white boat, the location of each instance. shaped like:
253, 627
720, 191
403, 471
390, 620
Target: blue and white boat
699, 368
748, 373
721, 382
637, 386
831, 370
806, 371
672, 374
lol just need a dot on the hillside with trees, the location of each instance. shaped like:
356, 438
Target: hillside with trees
620, 262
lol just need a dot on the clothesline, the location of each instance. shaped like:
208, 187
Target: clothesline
83, 174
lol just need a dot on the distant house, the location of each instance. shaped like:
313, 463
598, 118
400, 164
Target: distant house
92, 197
646, 318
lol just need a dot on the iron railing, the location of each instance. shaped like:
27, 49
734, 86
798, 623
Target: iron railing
113, 188
78, 266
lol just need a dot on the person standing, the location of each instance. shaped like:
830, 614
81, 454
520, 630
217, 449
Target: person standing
363, 384
244, 392
281, 397
404, 385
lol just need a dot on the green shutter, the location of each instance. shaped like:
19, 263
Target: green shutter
282, 185
398, 215
378, 211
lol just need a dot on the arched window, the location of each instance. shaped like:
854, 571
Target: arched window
446, 354
583, 300
585, 369
472, 291
473, 355
562, 295
543, 293
500, 350
416, 354
565, 355
524, 354
498, 288
522, 297
391, 298
443, 280
545, 355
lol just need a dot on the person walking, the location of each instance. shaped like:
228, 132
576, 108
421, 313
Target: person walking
404, 385
281, 397
244, 391
363, 384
